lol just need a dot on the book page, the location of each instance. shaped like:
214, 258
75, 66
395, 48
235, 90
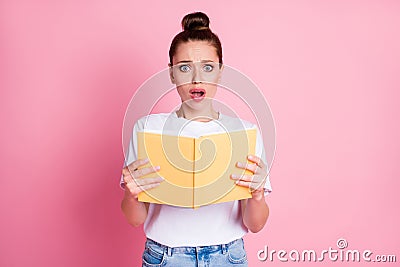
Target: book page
174, 155
216, 157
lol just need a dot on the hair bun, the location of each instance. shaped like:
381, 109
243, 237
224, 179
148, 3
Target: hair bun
195, 21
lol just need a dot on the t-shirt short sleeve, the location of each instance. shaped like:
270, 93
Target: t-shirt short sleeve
131, 151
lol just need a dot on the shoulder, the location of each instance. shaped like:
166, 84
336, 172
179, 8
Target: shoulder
154, 117
151, 121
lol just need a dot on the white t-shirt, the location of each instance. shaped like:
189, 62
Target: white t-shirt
208, 225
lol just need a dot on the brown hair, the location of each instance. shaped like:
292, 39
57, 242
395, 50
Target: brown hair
195, 27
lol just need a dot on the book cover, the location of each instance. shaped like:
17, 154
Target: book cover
196, 170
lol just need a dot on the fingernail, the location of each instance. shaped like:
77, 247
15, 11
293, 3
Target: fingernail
239, 164
250, 157
146, 160
234, 176
158, 168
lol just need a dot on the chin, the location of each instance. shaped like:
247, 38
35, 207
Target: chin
205, 103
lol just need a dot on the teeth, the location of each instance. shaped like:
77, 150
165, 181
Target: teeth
198, 93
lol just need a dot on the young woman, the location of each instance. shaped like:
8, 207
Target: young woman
212, 234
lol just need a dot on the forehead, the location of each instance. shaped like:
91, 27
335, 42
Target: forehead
195, 51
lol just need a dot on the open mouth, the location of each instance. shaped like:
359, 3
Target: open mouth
197, 92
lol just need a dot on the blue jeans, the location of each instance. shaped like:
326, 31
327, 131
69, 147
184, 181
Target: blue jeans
231, 254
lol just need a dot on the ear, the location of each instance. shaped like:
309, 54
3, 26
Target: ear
171, 73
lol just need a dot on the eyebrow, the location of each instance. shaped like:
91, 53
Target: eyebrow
191, 61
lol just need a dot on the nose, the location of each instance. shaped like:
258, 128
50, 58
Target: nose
196, 77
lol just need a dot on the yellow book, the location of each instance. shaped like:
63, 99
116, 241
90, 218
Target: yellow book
196, 170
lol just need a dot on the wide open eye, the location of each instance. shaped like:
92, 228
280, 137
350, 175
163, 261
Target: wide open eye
185, 68
208, 68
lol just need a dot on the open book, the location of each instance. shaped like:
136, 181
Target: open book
196, 170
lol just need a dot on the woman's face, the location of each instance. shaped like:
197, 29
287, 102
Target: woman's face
195, 71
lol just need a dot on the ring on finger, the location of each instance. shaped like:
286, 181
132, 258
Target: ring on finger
133, 169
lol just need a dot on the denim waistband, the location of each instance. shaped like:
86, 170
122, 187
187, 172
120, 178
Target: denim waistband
193, 250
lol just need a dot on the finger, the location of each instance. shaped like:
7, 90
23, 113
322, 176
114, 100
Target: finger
252, 186
147, 181
135, 191
125, 171
243, 184
147, 187
256, 160
137, 163
256, 179
247, 166
244, 177
142, 172
128, 179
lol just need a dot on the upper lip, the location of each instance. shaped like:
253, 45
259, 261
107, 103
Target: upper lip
197, 90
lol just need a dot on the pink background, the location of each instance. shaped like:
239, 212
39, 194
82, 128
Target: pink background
329, 70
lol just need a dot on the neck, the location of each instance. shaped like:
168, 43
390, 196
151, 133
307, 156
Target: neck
197, 115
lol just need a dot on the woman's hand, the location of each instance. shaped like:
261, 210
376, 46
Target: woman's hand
132, 173
255, 210
256, 181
